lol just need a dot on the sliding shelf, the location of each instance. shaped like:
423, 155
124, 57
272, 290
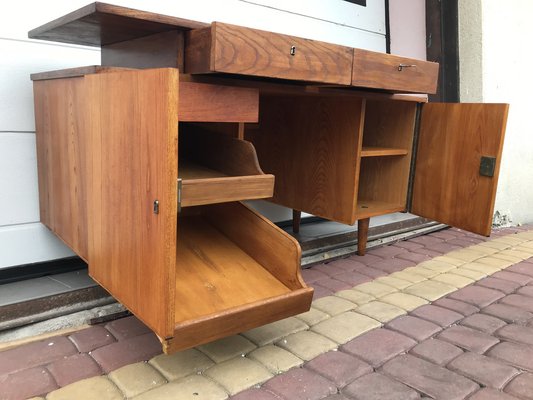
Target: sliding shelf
368, 151
235, 270
215, 168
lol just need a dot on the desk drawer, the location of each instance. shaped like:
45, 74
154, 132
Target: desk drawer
393, 73
238, 50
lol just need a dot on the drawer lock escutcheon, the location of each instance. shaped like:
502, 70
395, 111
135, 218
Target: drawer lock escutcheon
487, 166
156, 206
402, 66
293, 50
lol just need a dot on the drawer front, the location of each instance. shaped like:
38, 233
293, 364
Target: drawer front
394, 73
238, 50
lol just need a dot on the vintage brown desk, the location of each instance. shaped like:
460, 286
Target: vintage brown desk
159, 220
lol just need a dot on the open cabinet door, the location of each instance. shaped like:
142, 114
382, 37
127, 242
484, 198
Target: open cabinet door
458, 162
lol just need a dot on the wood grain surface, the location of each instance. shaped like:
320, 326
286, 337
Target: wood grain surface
239, 50
311, 145
133, 119
62, 135
99, 24
380, 71
448, 187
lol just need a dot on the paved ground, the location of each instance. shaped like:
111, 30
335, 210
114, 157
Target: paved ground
447, 315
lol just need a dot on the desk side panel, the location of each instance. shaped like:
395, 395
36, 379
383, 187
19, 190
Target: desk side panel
133, 119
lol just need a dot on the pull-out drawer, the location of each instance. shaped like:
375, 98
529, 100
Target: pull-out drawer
215, 168
393, 73
238, 50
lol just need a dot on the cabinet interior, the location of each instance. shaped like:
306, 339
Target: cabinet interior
385, 157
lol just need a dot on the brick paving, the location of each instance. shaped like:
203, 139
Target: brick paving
378, 340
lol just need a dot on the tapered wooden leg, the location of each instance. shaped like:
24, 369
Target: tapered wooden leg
296, 219
362, 235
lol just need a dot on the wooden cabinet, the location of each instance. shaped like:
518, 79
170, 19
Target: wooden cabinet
142, 171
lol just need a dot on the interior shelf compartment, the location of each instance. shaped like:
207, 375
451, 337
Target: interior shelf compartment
216, 168
235, 270
374, 151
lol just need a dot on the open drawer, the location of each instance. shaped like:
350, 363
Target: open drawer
235, 270
215, 168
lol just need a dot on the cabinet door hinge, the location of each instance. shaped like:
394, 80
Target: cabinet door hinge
487, 165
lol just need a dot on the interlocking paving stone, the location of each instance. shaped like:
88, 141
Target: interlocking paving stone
311, 275
516, 333
457, 306
477, 295
394, 282
414, 257
26, 383
436, 351
521, 386
425, 272
274, 331
526, 291
346, 326
440, 267
73, 368
512, 252
484, 323
454, 280
307, 345
525, 268
393, 265
380, 311
330, 269
379, 387
300, 384
438, 315
367, 259
352, 278
333, 305
409, 245
494, 261
369, 271
506, 256
193, 387
480, 248
333, 284
320, 291
275, 359
485, 370
238, 374
450, 261
255, 394
426, 240
414, 327
127, 351
443, 248
469, 273
355, 297
336, 396
338, 367
346, 264
498, 284
387, 251
495, 245
427, 252
405, 301
428, 378
465, 255
469, 339
91, 338
515, 354
125, 328
376, 289
430, 290
410, 276
227, 348
97, 388
491, 394
508, 313
520, 301
513, 277
182, 363
35, 354
378, 346
135, 379
313, 316
482, 268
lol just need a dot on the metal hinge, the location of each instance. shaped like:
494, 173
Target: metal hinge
179, 194
487, 166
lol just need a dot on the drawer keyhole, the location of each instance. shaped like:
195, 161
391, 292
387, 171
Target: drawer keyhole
293, 50
156, 206
402, 66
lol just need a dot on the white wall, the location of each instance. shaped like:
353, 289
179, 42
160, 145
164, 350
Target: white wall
502, 54
22, 238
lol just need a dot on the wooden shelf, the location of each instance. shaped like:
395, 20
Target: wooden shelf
382, 151
372, 208
220, 169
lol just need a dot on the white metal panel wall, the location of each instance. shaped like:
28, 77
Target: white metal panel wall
23, 239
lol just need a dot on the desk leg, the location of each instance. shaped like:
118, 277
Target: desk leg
362, 235
296, 219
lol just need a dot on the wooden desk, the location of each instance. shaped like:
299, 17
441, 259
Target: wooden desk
312, 126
